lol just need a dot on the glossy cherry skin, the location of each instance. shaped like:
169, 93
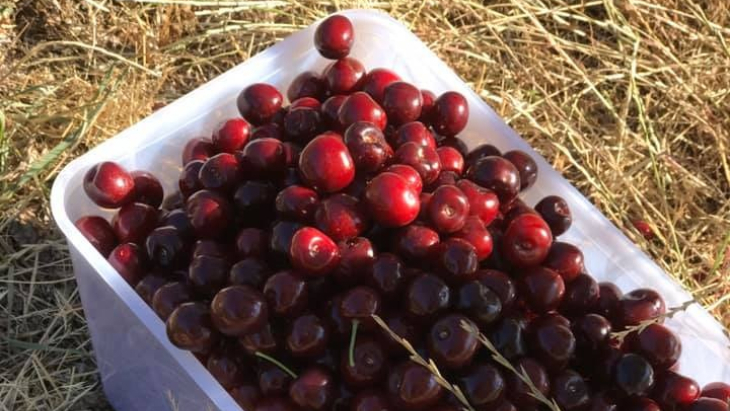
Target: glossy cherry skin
633, 375
259, 103
391, 200
98, 232
370, 363
225, 367
451, 159
377, 80
526, 166
189, 182
542, 289
592, 332
148, 286
416, 243
251, 242
387, 275
179, 220
508, 336
570, 391
341, 217
356, 257
556, 213
481, 151
360, 106
483, 385
313, 389
190, 328
425, 160
360, 304
519, 393
326, 165
640, 404
220, 172
273, 380
475, 233
413, 387
426, 296
166, 248
660, 346
301, 124
274, 404
286, 293
500, 283
414, 132
449, 344
449, 114
401, 326
675, 392
308, 102
281, 236
526, 241
133, 222
334, 37
498, 175
249, 271
313, 252
207, 274
210, 214
330, 109
708, 404
238, 310
409, 174
308, 336
199, 148
479, 302
448, 209
609, 296
232, 135
129, 260
402, 102
147, 189
368, 147
553, 345
306, 84
109, 185
262, 341
483, 203
169, 296
457, 260
718, 390
344, 76
254, 201
581, 295
640, 305
297, 203
566, 259
370, 400
263, 158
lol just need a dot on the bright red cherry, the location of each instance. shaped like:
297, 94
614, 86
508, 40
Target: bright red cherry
402, 102
308, 102
147, 189
360, 106
98, 232
134, 221
263, 158
449, 114
313, 252
526, 241
451, 159
129, 261
414, 132
306, 84
239, 310
409, 174
718, 390
425, 160
416, 243
210, 214
476, 234
708, 404
368, 147
109, 185
259, 103
660, 346
566, 259
483, 203
199, 148
334, 37
326, 165
344, 76
542, 289
377, 80
448, 209
391, 200
498, 175
675, 392
232, 135
341, 217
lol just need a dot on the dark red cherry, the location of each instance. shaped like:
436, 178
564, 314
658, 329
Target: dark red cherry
211, 248
302, 124
483, 203
129, 260
148, 286
360, 106
500, 283
308, 336
368, 147
416, 243
169, 296
402, 327
232, 135
190, 328
602, 402
409, 174
330, 111
718, 390
581, 295
147, 189
426, 296
308, 102
109, 185
402, 102
98, 232
356, 257
429, 98
451, 159
520, 393
542, 289
708, 404
334, 37
210, 214
259, 103
273, 380
526, 166
556, 213
592, 333
370, 400
225, 367
479, 302
306, 84
326, 165
274, 404
199, 148
262, 341
640, 404
387, 275
483, 385
314, 389
675, 392
449, 344
457, 259
566, 259
609, 296
526, 241
189, 182
292, 151
251, 242
640, 305
633, 375
239, 309
166, 248
313, 252
281, 235
133, 222
377, 80
475, 233
297, 203
481, 151
220, 172
369, 363
660, 346
249, 271
360, 304
341, 217
425, 160
414, 132
570, 391
172, 201
448, 209
515, 209
207, 275
344, 76
179, 220
498, 175
413, 387
286, 293
449, 114
263, 158
553, 345
508, 337
391, 200
254, 201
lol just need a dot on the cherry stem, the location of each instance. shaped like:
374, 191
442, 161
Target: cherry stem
277, 363
353, 338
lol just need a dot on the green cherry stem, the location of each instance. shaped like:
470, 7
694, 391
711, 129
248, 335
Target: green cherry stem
277, 363
353, 338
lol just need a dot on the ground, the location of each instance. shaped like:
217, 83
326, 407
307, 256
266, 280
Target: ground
629, 99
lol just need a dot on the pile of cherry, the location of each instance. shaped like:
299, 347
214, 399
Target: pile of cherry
295, 225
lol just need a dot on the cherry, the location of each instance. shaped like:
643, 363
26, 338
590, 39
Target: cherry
640, 404
402, 102
500, 283
166, 248
189, 183
308, 336
254, 201
98, 232
498, 175
199, 148
483, 203
370, 400
457, 259
526, 166
360, 106
426, 296
368, 147
644, 229
508, 337
391, 200
425, 160
556, 213
449, 344
169, 296
483, 385
225, 368
262, 341
449, 114
633, 375
416, 243
401, 326
286, 293
259, 103
232, 135
313, 389
356, 257
526, 241
414, 132
220, 172
519, 392
718, 390
481, 151
581, 295
542, 289
570, 391
239, 309
172, 202
210, 214
602, 403
251, 242
566, 259
326, 165
360, 304
301, 124
657, 344
708, 404
386, 274
274, 404
179, 220
409, 174
592, 333
479, 302
129, 260
451, 159
207, 274
292, 151
273, 380
246, 396
476, 234
334, 37
341, 217
553, 345
109, 185
298, 203
306, 84
377, 80
330, 109
263, 158
281, 236
640, 305
211, 248
148, 286
308, 102
313, 252
369, 363
673, 391
147, 189
190, 328
413, 387
134, 221
344, 76
448, 209
609, 296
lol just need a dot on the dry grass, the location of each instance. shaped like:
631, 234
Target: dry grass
630, 99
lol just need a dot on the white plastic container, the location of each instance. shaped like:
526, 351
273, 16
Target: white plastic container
142, 371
